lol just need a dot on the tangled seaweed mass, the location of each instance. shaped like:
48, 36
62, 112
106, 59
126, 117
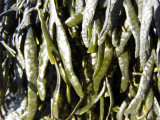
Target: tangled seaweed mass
80, 59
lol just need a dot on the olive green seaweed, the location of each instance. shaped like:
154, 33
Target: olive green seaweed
79, 59
65, 53
144, 82
87, 18
108, 53
31, 67
123, 60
